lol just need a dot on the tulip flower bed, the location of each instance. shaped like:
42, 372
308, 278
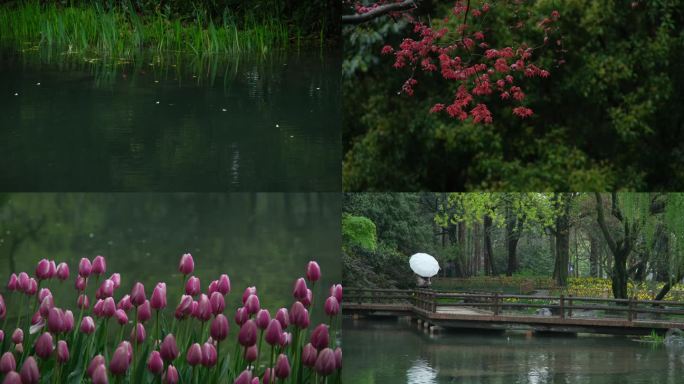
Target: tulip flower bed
135, 340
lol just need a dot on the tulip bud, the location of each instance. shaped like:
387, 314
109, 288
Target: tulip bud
108, 307
285, 339
2, 335
268, 374
251, 353
283, 317
168, 348
273, 332
12, 378
18, 336
37, 319
19, 348
325, 363
203, 308
62, 272
99, 375
44, 345
184, 308
218, 303
43, 294
84, 267
3, 308
171, 375
299, 316
224, 284
219, 327
158, 299
32, 287
68, 321
313, 272
12, 283
209, 355
125, 303
97, 308
300, 289
116, 279
94, 363
106, 289
319, 337
121, 317
336, 290
248, 334
186, 265
308, 299
213, 287
23, 281
248, 291
55, 320
244, 378
332, 306
309, 355
99, 266
252, 304
120, 361
338, 358
52, 270
43, 270
29, 371
138, 333
263, 317
87, 325
62, 352
7, 363
241, 316
194, 355
81, 283
192, 287
282, 368
155, 364
144, 311
138, 294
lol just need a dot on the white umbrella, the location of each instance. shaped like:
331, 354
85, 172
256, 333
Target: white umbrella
424, 265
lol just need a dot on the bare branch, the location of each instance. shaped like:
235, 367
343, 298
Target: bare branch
378, 12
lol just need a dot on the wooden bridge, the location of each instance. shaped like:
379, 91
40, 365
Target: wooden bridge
501, 312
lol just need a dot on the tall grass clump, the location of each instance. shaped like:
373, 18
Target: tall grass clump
121, 31
103, 334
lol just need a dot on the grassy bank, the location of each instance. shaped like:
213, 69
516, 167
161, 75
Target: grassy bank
122, 31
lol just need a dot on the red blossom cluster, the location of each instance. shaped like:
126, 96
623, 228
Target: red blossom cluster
464, 56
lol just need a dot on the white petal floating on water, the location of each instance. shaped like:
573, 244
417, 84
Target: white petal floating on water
37, 83
318, 88
277, 126
291, 136
156, 81
157, 102
16, 94
223, 109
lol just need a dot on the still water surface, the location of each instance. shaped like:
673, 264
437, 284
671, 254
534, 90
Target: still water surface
74, 123
387, 351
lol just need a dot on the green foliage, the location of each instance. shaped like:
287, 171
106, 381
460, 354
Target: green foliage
359, 231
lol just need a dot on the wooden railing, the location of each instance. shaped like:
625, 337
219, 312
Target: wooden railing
497, 304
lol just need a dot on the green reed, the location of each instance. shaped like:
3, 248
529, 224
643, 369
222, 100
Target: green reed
121, 31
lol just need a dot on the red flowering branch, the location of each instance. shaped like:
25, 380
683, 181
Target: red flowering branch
364, 14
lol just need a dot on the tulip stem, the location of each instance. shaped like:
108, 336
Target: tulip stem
156, 330
21, 310
135, 336
258, 359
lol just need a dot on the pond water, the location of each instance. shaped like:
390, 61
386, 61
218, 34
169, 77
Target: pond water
261, 239
396, 351
76, 123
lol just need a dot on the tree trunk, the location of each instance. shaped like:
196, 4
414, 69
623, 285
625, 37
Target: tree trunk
619, 276
512, 254
488, 252
593, 255
562, 232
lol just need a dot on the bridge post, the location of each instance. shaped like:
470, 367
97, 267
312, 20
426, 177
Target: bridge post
562, 307
433, 308
496, 304
569, 305
630, 309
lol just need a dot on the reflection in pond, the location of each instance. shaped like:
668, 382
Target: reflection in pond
262, 239
391, 351
268, 123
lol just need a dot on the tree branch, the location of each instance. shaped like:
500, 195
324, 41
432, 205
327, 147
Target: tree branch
378, 12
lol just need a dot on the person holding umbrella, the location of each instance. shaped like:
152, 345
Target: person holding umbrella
424, 266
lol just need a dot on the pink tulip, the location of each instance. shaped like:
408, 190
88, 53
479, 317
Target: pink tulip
282, 368
62, 272
192, 287
248, 291
99, 266
18, 336
336, 290
251, 353
273, 332
224, 284
29, 371
309, 355
2, 335
46, 305
125, 303
120, 361
194, 355
267, 378
332, 306
144, 311
168, 348
44, 345
3, 308
43, 293
241, 316
209, 355
32, 287
68, 321
87, 325
55, 320
116, 279
203, 308
81, 283
263, 317
155, 364
285, 339
121, 317
252, 304
43, 269
213, 287
184, 308
12, 378
186, 265
23, 281
106, 289
300, 289
94, 363
138, 333
97, 308
62, 352
158, 299
320, 337
99, 375
218, 303
248, 334
325, 363
338, 358
283, 317
138, 294
7, 362
299, 316
52, 269
84, 267
313, 272
308, 299
108, 307
219, 327
12, 283
37, 319
19, 348
244, 378
171, 375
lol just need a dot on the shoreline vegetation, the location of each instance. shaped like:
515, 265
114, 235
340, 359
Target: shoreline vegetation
122, 29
